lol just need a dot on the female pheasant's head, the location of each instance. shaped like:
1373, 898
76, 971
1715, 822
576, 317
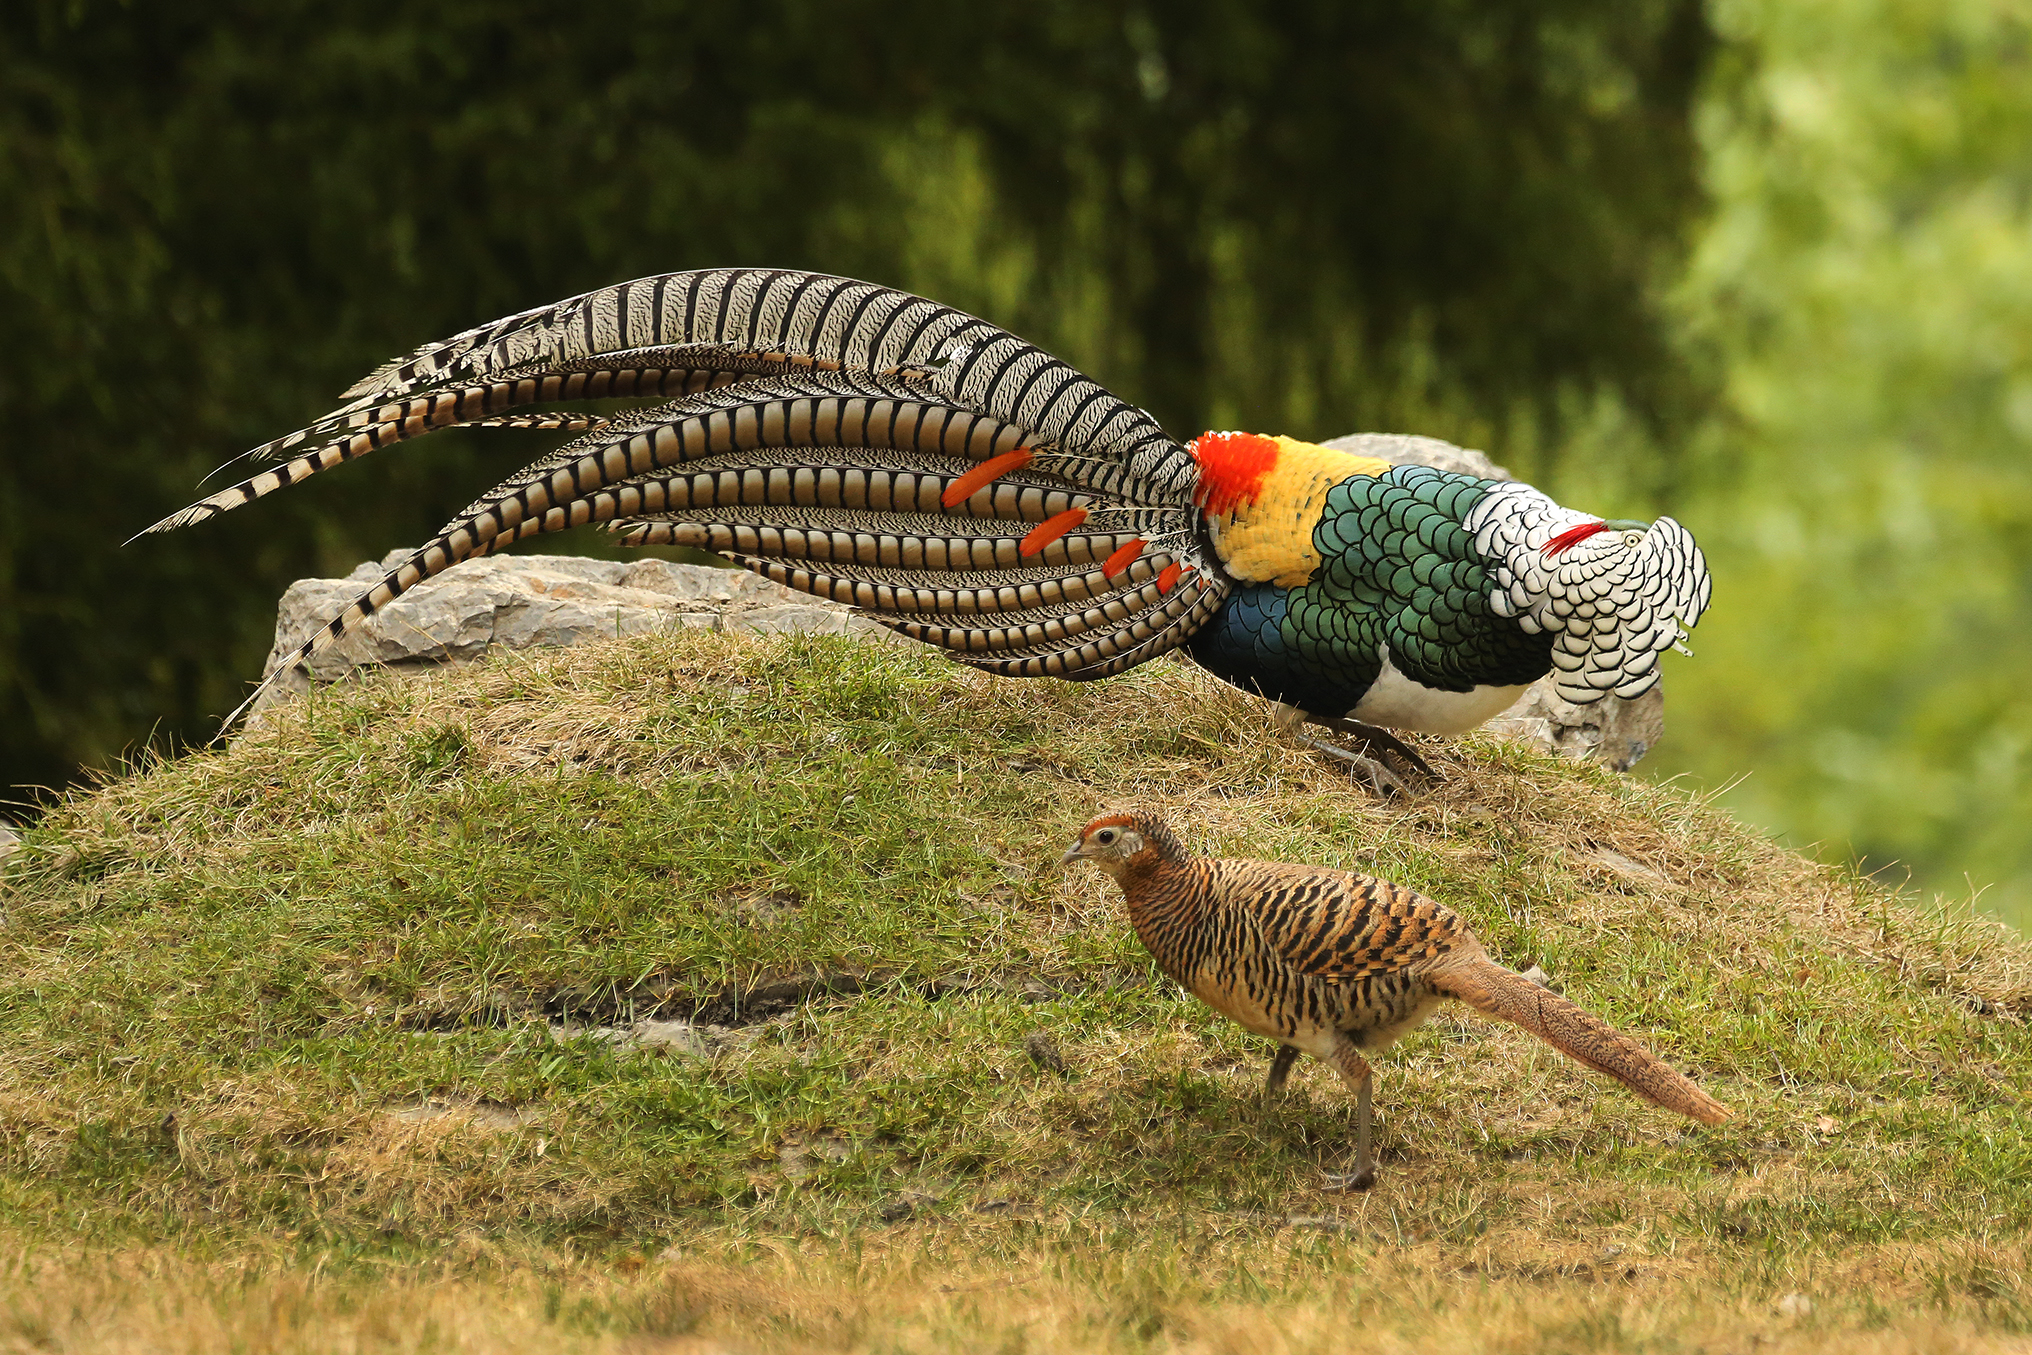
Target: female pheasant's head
1122, 844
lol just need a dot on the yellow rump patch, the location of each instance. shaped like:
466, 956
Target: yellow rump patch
1269, 540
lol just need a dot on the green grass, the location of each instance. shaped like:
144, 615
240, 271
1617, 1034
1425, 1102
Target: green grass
331, 998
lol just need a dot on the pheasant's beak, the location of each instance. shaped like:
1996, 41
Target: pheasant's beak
1072, 853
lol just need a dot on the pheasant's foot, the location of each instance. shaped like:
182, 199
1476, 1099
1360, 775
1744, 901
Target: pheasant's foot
1379, 744
1349, 1063
1280, 1069
1377, 776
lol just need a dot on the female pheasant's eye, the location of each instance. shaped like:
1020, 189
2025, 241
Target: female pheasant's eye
1105, 837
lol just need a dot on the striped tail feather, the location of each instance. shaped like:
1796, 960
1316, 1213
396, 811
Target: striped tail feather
1580, 1035
858, 327
679, 333
882, 492
1064, 623
852, 325
906, 542
1111, 638
352, 433
751, 435
933, 592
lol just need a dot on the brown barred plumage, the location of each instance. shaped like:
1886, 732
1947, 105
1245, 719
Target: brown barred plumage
1336, 964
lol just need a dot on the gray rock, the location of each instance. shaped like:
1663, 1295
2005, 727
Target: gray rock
526, 601
669, 1037
1043, 1051
10, 841
805, 1156
679, 1039
672, 1037
908, 1204
1612, 731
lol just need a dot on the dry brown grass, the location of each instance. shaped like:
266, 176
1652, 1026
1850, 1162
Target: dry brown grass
1247, 1293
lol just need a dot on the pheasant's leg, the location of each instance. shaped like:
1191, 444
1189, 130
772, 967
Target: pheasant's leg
1355, 1071
1376, 742
1376, 775
1365, 1161
1280, 1069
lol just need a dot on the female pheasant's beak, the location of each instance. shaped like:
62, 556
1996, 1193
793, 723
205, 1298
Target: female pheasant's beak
1073, 853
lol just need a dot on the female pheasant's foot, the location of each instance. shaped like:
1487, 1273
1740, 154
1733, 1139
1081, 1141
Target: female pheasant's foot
1280, 1069
1353, 1067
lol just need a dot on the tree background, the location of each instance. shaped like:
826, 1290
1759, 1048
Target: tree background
1864, 484
1755, 264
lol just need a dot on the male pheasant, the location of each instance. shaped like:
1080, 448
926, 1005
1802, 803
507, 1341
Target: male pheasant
1336, 965
975, 493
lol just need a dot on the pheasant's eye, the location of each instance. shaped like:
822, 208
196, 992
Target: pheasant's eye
1106, 837
1633, 539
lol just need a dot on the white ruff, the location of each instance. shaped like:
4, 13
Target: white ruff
1612, 603
1396, 702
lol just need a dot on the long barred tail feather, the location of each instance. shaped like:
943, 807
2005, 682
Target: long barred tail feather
1586, 1039
818, 321
680, 333
1142, 635
350, 434
959, 485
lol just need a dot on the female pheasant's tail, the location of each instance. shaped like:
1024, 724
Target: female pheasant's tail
1488, 987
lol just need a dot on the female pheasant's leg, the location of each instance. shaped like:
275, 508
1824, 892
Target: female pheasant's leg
1365, 1161
1355, 1071
1280, 1069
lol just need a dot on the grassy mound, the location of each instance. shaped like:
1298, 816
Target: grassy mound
365, 992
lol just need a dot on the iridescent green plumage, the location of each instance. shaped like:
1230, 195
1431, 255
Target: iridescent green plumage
1399, 574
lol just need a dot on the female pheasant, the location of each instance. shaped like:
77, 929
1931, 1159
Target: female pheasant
1336, 965
975, 493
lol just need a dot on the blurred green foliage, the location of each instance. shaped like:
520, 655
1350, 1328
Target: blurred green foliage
1306, 216
1865, 491
1459, 218
1467, 218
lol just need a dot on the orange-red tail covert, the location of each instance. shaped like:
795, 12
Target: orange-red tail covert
989, 471
1049, 530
